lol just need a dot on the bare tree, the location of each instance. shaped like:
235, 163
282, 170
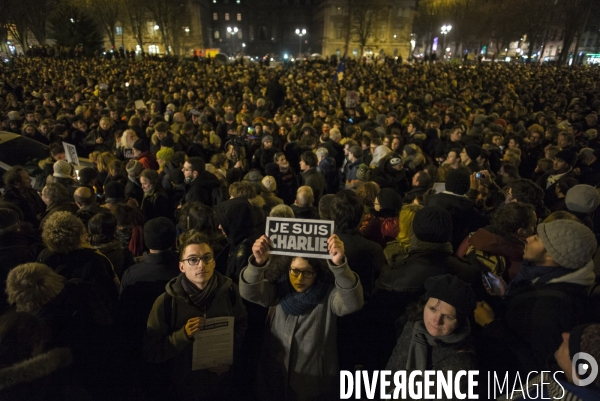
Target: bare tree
18, 23
365, 16
105, 12
573, 15
164, 13
137, 13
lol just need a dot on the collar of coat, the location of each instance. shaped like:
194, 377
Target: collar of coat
35, 368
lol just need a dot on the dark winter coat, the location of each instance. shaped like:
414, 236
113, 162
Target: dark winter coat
201, 188
167, 341
30, 203
465, 217
316, 181
120, 258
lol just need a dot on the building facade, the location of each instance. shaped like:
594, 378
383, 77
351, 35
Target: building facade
261, 27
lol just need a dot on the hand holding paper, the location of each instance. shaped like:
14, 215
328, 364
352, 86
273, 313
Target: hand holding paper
260, 250
193, 325
335, 246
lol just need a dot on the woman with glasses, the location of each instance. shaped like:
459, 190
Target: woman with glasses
305, 297
197, 294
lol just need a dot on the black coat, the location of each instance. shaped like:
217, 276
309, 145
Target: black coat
156, 205
30, 203
316, 181
465, 217
201, 188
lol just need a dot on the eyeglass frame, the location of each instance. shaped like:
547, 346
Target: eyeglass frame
298, 272
203, 259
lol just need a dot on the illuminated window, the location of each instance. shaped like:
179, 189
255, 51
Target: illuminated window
215, 16
239, 16
119, 30
226, 16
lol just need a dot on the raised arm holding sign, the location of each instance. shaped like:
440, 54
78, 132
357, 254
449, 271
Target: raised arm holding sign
335, 250
299, 237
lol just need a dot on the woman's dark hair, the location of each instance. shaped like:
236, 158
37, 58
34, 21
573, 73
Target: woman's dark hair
512, 216
346, 210
128, 216
152, 176
279, 267
565, 183
511, 171
21, 335
102, 229
196, 216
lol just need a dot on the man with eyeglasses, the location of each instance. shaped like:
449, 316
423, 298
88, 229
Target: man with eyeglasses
198, 293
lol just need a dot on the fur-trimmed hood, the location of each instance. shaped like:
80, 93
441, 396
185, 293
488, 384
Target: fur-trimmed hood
35, 368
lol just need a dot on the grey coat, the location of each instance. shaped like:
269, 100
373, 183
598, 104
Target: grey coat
300, 359
444, 357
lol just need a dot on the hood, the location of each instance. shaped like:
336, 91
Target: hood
175, 289
487, 241
258, 201
327, 164
42, 164
584, 276
236, 219
110, 247
39, 366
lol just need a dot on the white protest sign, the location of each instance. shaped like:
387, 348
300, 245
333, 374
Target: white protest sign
299, 237
213, 344
71, 153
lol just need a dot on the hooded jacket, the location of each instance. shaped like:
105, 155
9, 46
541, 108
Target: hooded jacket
328, 170
167, 341
201, 188
236, 217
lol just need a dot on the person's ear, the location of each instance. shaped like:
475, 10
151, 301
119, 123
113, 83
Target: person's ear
194, 174
181, 267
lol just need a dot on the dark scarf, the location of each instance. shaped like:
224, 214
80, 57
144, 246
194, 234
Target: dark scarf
421, 342
298, 303
200, 298
541, 274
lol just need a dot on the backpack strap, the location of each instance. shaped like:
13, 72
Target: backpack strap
168, 311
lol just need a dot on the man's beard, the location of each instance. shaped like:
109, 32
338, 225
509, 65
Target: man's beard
188, 180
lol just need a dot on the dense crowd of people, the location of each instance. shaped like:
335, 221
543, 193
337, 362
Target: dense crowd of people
464, 200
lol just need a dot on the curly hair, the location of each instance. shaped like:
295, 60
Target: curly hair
12, 176
367, 193
63, 232
30, 286
103, 161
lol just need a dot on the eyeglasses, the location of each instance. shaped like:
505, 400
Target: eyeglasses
194, 260
305, 273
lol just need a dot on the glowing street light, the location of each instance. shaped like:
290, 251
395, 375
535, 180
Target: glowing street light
232, 31
445, 30
300, 33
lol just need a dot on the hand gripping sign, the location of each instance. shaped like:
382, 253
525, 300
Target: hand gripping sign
299, 237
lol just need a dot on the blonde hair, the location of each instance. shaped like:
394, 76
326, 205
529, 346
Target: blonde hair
560, 215
103, 161
30, 286
123, 142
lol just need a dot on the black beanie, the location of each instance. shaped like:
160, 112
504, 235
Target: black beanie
473, 151
389, 200
458, 181
141, 145
433, 224
568, 156
160, 234
453, 291
167, 142
114, 190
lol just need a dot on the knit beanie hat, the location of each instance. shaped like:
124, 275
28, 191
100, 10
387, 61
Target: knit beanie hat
568, 156
141, 145
134, 168
62, 169
167, 142
453, 291
389, 200
458, 181
266, 138
432, 224
9, 221
582, 198
268, 184
586, 338
569, 243
165, 154
396, 159
114, 190
473, 151
160, 234
363, 173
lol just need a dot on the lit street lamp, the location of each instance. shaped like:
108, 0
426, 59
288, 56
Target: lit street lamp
232, 31
445, 30
300, 33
